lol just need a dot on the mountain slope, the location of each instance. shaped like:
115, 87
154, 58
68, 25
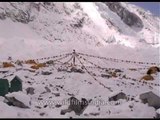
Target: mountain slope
69, 22
40, 30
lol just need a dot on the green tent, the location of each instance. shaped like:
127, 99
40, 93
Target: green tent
4, 87
16, 84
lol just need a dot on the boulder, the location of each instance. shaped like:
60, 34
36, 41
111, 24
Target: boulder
77, 106
18, 99
151, 98
158, 113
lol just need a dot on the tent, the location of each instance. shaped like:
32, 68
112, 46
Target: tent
4, 87
16, 84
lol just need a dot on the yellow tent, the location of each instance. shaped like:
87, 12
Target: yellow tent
7, 64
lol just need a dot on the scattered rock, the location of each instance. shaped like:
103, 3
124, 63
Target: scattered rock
132, 69
2, 16
42, 114
106, 70
57, 94
47, 89
60, 86
118, 96
130, 106
59, 77
132, 99
38, 107
30, 90
26, 76
60, 70
50, 97
4, 71
117, 103
63, 112
29, 82
46, 73
105, 76
94, 114
45, 106
50, 62
118, 70
89, 83
117, 84
18, 62
40, 98
70, 94
58, 105
73, 69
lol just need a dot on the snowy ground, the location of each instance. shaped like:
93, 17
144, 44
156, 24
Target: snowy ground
27, 41
83, 86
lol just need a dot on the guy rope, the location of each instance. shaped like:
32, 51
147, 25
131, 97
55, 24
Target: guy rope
118, 60
71, 62
93, 76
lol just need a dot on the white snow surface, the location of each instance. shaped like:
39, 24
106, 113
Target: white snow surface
51, 33
21, 97
158, 111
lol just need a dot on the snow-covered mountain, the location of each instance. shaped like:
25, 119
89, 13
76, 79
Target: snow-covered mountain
51, 24
31, 30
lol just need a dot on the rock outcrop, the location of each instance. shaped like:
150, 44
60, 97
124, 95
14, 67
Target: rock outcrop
126, 16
